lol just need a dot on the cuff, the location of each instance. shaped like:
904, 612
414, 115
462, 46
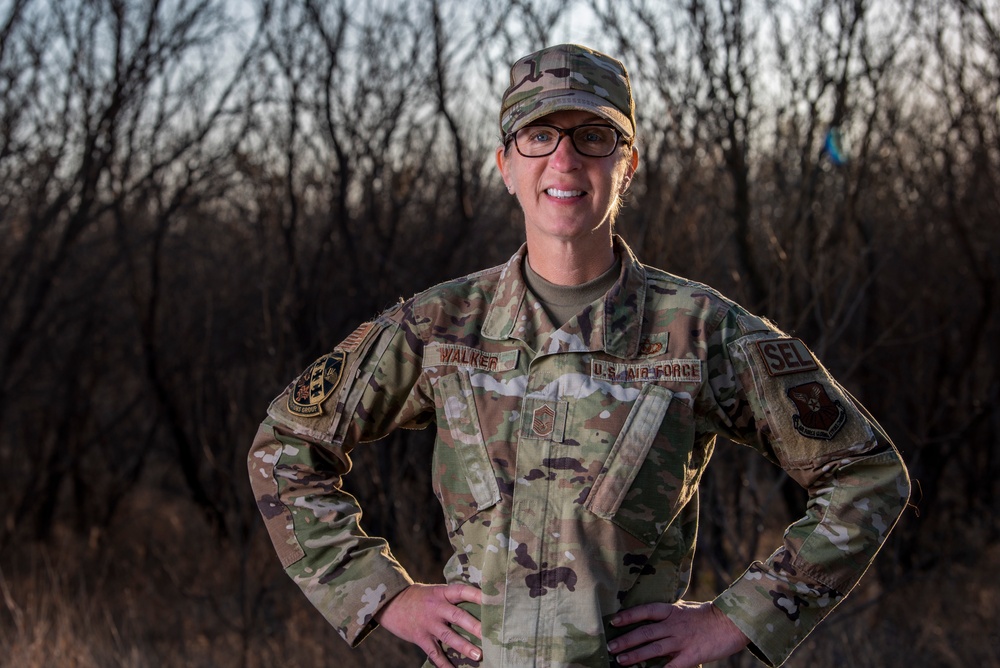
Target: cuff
350, 596
775, 614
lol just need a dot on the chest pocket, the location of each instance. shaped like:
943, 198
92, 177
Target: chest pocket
463, 474
638, 487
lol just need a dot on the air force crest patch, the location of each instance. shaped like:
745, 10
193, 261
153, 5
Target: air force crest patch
819, 416
316, 384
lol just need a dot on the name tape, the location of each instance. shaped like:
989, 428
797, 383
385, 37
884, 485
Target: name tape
669, 371
452, 355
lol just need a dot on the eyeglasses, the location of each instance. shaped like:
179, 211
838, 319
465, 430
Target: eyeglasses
595, 141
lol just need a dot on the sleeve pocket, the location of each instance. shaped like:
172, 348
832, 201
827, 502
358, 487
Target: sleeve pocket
810, 419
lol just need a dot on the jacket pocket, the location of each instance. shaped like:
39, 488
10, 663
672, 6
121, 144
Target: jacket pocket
634, 487
463, 474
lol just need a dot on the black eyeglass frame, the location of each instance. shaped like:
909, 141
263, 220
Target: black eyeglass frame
567, 132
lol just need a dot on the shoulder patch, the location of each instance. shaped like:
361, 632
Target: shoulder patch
819, 415
810, 419
357, 337
783, 356
316, 383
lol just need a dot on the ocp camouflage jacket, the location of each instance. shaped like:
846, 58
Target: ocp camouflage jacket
567, 462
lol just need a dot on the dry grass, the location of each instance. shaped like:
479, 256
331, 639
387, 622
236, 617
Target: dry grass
159, 590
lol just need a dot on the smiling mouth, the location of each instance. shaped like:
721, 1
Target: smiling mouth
563, 194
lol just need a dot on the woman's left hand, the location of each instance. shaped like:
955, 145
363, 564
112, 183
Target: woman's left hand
689, 633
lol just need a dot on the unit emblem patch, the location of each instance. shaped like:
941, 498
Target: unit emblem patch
819, 416
315, 384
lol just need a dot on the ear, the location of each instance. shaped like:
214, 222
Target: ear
630, 170
504, 166
633, 165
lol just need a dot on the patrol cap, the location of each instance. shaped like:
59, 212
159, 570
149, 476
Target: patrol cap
567, 77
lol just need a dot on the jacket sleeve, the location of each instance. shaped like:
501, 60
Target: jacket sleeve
364, 388
774, 395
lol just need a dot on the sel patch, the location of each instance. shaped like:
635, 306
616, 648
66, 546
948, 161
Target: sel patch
784, 356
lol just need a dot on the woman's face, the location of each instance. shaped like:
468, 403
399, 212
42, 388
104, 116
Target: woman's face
565, 195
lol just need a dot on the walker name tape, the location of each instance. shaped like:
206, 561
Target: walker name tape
452, 355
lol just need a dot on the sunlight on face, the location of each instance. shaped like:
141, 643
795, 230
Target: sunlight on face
566, 195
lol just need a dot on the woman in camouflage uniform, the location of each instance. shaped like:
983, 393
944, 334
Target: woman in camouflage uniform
577, 396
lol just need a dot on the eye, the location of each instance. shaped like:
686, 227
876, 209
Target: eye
539, 135
595, 134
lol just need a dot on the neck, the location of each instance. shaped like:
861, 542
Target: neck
573, 261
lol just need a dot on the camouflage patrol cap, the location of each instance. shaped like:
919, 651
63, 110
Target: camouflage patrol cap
567, 77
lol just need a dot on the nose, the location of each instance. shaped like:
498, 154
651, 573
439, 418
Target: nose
565, 157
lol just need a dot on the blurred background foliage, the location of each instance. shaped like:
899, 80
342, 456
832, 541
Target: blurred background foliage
199, 197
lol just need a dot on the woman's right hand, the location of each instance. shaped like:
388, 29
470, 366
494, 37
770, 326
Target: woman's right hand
425, 614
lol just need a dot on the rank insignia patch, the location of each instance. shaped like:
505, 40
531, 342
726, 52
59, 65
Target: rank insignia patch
819, 416
315, 384
543, 420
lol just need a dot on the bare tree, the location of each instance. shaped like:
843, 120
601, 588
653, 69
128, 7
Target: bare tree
191, 214
107, 141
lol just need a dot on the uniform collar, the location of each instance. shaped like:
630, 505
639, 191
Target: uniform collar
616, 330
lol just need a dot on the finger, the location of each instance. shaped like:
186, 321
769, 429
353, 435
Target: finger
458, 593
656, 649
644, 635
436, 655
458, 643
463, 620
642, 613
